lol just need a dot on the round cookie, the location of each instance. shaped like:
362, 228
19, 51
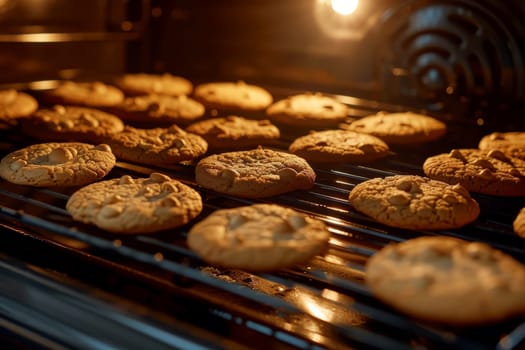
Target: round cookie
233, 96
510, 143
254, 173
414, 202
89, 94
259, 237
128, 205
448, 280
57, 164
160, 84
308, 110
234, 132
483, 171
339, 146
158, 146
68, 123
400, 128
15, 104
159, 109
519, 223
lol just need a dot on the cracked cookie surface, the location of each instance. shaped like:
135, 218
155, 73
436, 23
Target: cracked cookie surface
57, 164
339, 146
258, 237
414, 202
483, 171
448, 280
135, 205
254, 173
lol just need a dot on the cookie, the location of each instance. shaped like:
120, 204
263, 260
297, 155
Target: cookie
308, 110
159, 84
519, 223
159, 110
129, 205
233, 96
254, 173
259, 237
448, 280
15, 104
68, 123
400, 128
339, 146
234, 132
158, 146
483, 171
57, 164
510, 143
89, 94
414, 202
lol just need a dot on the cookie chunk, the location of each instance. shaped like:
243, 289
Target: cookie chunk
258, 237
129, 205
90, 94
414, 202
447, 280
483, 171
400, 128
519, 223
159, 110
67, 123
233, 96
158, 146
158, 84
510, 143
308, 110
15, 104
57, 164
254, 173
234, 132
339, 146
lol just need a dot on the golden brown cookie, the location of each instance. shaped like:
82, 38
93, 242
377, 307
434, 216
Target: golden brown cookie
414, 202
519, 223
15, 104
308, 110
57, 164
447, 280
258, 237
158, 146
510, 143
89, 94
233, 96
339, 146
400, 128
254, 173
234, 132
68, 123
159, 110
158, 84
483, 171
128, 205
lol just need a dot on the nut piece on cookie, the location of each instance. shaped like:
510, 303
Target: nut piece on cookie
257, 173
57, 164
135, 205
414, 202
448, 280
259, 237
483, 171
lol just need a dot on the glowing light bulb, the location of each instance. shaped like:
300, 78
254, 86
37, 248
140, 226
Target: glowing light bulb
344, 7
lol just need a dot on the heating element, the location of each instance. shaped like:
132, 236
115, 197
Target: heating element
74, 286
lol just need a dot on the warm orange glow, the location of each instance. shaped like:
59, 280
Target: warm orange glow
344, 7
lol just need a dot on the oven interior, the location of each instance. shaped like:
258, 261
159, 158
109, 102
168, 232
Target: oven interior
68, 285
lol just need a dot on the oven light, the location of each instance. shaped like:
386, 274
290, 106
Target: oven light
344, 7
